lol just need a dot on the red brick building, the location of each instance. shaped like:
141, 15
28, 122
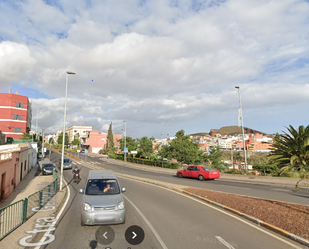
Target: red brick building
15, 115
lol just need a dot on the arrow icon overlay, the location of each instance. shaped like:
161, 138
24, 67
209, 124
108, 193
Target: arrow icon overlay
104, 235
134, 235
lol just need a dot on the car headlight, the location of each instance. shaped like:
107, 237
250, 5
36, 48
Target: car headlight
87, 206
121, 205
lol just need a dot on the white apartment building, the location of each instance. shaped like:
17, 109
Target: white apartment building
80, 130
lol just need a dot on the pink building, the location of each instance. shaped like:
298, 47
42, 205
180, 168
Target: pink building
98, 140
10, 171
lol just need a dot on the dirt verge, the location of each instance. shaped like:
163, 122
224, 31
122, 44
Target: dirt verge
292, 218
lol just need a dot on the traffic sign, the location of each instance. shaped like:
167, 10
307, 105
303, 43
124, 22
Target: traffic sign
125, 150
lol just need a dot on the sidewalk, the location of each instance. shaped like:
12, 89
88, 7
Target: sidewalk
13, 240
283, 181
29, 185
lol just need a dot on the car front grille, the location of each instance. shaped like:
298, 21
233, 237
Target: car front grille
104, 208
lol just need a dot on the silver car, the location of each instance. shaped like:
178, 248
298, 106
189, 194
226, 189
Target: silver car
103, 202
67, 163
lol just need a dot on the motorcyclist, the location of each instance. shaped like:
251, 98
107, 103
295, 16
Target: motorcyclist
76, 170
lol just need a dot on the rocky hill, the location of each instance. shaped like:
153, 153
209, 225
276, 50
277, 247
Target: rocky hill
228, 130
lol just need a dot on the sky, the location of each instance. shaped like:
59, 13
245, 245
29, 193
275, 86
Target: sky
159, 65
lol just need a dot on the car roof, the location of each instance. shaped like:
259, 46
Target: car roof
97, 174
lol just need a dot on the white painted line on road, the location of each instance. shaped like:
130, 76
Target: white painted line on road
233, 186
58, 216
149, 224
224, 242
222, 211
279, 189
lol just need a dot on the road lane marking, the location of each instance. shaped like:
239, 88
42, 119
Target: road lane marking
279, 189
149, 224
57, 218
224, 242
220, 210
232, 186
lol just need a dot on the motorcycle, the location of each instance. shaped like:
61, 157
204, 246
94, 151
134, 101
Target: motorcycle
76, 177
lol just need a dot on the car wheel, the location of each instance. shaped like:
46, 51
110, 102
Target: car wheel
201, 178
82, 223
180, 175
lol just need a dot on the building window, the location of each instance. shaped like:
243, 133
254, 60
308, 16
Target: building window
75, 130
17, 130
19, 105
5, 156
17, 117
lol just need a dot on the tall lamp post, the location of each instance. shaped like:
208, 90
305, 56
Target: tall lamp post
125, 140
161, 149
242, 126
63, 134
37, 118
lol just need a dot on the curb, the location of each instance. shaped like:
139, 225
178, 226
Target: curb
251, 218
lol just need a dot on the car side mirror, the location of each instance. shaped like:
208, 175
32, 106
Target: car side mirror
123, 190
81, 191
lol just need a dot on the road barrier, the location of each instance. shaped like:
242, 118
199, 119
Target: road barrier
17, 213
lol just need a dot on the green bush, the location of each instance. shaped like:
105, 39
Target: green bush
233, 171
291, 174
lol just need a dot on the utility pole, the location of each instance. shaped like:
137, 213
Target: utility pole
125, 140
43, 154
242, 126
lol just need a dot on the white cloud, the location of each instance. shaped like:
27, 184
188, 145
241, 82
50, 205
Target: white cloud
159, 65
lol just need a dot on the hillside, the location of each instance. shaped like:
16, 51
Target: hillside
228, 130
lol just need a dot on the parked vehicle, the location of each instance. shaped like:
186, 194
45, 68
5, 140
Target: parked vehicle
103, 202
67, 163
199, 171
48, 169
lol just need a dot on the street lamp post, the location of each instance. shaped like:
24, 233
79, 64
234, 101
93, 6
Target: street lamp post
125, 140
37, 118
161, 149
63, 134
242, 126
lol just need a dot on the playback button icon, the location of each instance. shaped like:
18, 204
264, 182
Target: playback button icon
134, 235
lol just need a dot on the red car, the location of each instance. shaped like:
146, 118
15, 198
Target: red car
200, 172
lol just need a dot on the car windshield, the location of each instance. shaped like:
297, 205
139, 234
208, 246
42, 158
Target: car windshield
102, 187
66, 160
48, 166
206, 168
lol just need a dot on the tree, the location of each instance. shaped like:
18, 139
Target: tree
110, 138
51, 141
145, 148
76, 139
291, 149
131, 144
184, 150
66, 139
26, 136
215, 155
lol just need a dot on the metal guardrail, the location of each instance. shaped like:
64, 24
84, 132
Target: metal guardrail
17, 213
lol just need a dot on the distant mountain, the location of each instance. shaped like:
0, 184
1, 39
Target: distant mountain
228, 130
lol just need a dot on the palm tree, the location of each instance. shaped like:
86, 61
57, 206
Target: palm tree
292, 149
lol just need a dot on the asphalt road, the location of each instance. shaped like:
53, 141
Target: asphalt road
169, 220
273, 192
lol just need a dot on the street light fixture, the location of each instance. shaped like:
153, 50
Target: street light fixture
242, 126
125, 140
63, 134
